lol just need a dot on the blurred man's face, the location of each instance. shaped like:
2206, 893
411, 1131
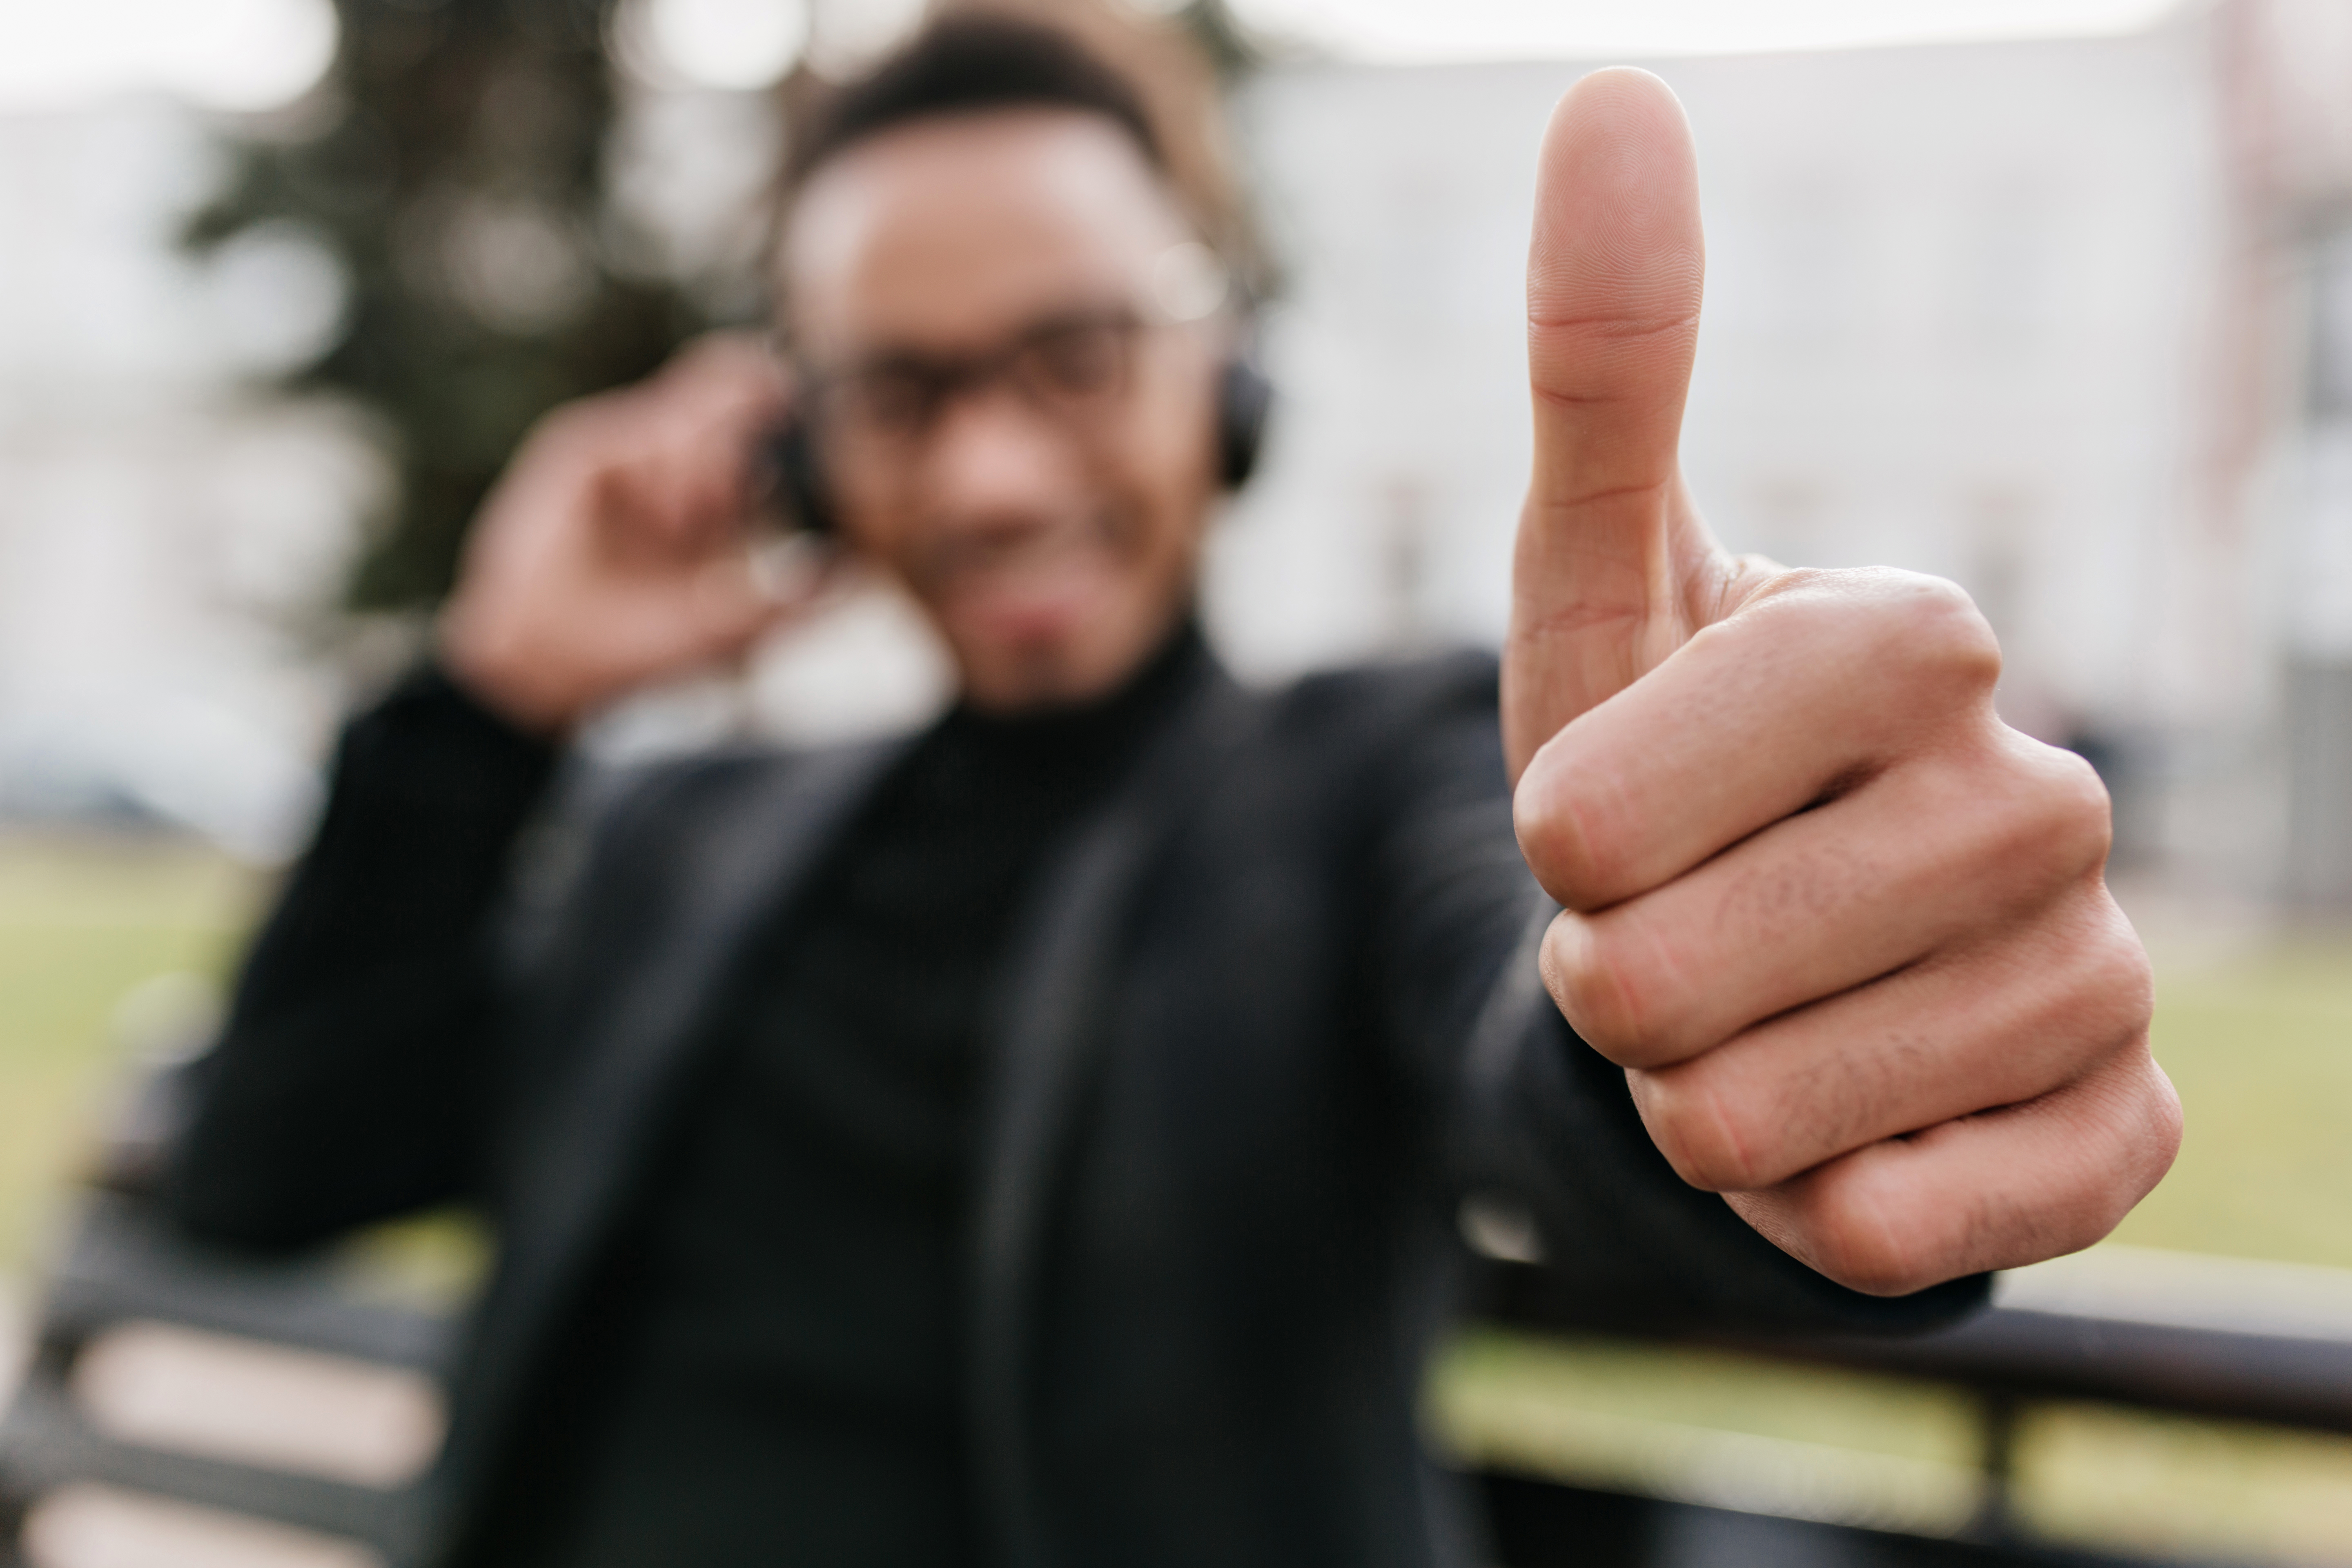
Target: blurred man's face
1005, 419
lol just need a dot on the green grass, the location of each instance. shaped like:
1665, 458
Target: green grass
1814, 1443
2260, 1049
2260, 1045
98, 937
83, 923
1710, 1426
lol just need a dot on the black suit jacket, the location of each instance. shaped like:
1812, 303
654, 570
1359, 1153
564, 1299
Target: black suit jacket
1273, 1014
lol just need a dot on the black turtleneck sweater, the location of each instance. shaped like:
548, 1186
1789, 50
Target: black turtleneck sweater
771, 1372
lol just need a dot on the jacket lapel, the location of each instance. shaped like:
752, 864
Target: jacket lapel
1047, 1040
747, 854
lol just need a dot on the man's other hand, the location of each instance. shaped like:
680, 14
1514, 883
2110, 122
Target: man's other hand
616, 550
1849, 935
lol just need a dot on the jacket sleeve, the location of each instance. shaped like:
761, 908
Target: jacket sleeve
1522, 1112
349, 1082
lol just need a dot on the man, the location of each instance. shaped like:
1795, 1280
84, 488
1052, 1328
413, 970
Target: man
1035, 1142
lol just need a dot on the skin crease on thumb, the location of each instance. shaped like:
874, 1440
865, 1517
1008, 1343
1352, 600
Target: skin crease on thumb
1615, 265
1617, 230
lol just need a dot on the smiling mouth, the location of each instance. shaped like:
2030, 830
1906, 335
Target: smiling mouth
1026, 584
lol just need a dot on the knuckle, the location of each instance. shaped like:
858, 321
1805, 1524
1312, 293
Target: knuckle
1557, 837
1945, 634
2044, 811
2116, 982
2136, 1117
2161, 1122
1600, 991
2075, 1206
1929, 628
2091, 822
2078, 822
1867, 1240
1926, 650
556, 439
1702, 1125
585, 422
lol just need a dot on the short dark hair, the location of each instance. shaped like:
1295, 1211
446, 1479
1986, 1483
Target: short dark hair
1145, 76
967, 63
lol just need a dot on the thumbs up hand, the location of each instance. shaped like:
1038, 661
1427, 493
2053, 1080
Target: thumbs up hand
1848, 934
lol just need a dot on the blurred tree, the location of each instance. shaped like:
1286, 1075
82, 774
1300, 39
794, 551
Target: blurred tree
454, 162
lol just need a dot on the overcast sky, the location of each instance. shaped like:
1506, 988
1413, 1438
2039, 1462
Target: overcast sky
245, 55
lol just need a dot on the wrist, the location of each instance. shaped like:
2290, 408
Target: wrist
499, 671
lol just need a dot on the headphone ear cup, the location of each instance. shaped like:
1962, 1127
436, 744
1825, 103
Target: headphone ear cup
799, 479
1244, 398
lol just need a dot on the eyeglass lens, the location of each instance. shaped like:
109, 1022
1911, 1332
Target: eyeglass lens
1074, 369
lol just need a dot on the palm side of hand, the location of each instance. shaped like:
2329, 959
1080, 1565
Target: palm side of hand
1848, 934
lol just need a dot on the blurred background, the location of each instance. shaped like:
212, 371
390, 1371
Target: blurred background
2050, 297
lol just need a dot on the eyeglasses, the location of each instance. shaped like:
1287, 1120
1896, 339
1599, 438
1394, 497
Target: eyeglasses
1074, 368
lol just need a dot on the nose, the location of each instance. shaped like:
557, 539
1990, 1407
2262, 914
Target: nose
994, 462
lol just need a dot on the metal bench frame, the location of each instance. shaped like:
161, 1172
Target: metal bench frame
126, 1264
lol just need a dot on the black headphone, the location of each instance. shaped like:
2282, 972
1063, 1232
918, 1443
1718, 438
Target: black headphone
1244, 400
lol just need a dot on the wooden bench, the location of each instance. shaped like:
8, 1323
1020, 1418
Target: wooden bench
124, 1270
2210, 1338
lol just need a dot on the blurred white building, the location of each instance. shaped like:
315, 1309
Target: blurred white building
168, 541
2051, 317
2008, 312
